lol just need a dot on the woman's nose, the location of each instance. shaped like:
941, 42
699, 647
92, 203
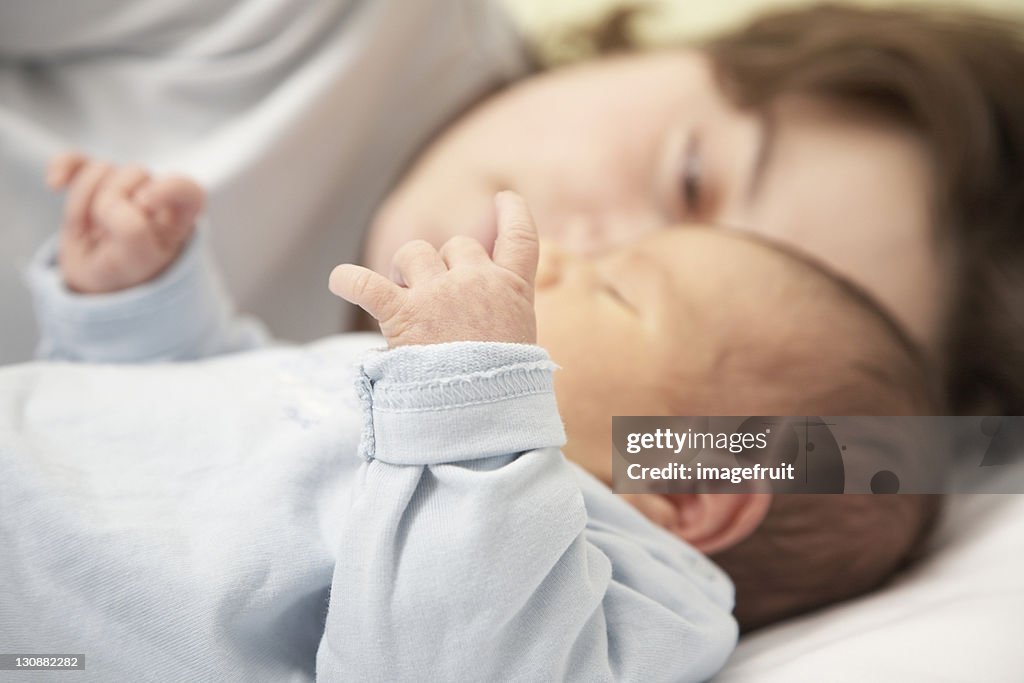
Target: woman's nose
582, 234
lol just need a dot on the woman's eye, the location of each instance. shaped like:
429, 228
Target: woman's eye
690, 178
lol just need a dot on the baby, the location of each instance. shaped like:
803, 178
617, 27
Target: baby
704, 322
462, 546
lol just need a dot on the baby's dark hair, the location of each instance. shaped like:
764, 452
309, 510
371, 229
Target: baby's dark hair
804, 340
816, 550
813, 343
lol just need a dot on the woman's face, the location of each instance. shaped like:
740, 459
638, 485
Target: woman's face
611, 150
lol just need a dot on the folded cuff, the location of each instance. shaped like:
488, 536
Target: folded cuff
460, 401
158, 320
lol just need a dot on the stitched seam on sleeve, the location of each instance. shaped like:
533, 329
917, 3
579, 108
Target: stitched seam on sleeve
486, 387
454, 406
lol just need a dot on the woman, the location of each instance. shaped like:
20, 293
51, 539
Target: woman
889, 144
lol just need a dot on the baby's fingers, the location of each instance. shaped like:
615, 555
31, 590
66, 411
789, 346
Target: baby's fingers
415, 262
516, 247
464, 250
180, 194
63, 168
115, 190
78, 207
374, 293
125, 181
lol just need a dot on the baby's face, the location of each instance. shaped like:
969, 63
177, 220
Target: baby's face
633, 326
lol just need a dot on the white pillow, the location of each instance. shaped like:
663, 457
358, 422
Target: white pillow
958, 615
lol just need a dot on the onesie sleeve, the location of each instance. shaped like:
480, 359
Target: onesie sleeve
183, 314
467, 553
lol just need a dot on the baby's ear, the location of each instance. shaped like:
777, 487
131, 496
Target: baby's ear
710, 522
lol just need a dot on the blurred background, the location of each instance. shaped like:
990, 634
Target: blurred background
549, 23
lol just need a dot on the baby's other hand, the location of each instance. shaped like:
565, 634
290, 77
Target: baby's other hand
457, 293
122, 227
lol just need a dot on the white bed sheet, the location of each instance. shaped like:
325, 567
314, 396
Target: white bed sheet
958, 615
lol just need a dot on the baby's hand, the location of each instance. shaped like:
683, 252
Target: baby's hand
457, 293
121, 227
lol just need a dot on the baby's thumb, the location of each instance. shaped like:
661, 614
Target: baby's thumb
374, 293
516, 247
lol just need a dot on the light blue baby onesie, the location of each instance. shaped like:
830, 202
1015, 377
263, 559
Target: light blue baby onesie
328, 511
